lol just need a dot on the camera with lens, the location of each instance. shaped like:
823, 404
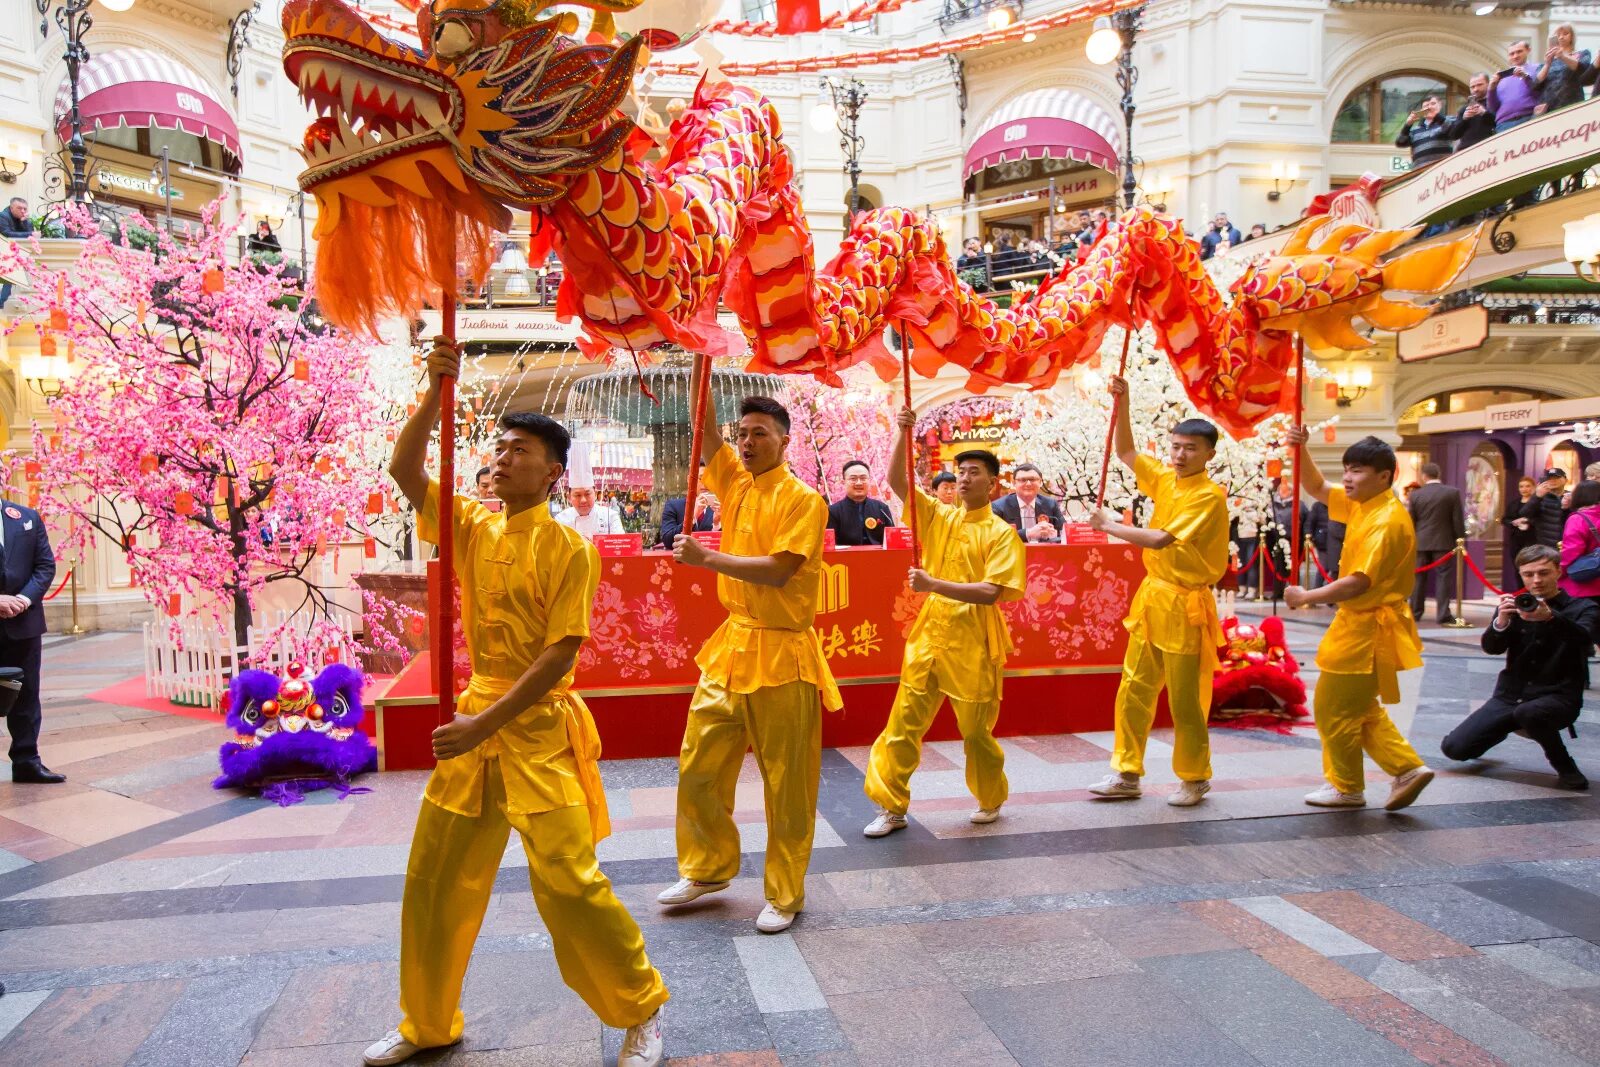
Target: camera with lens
1527, 602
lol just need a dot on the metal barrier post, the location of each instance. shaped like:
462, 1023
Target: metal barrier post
72, 578
1261, 568
1461, 584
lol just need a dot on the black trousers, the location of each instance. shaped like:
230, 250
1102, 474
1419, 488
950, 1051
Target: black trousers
1542, 718
1447, 584
22, 721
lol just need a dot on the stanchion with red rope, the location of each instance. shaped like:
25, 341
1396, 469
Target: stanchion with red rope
63, 585
1458, 621
1487, 584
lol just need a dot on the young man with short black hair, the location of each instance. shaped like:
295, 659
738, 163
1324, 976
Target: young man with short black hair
1547, 641
858, 518
957, 647
1372, 636
1173, 632
763, 676
944, 488
520, 752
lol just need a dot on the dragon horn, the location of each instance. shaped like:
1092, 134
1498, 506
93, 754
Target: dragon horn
1300, 240
1431, 270
1332, 329
1393, 315
1380, 242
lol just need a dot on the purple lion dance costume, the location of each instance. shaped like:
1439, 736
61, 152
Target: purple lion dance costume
293, 736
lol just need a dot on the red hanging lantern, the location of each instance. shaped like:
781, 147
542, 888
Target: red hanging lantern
47, 345
1331, 391
369, 548
183, 502
58, 318
212, 281
302, 371
1274, 468
1330, 434
324, 465
338, 516
175, 604
32, 468
148, 464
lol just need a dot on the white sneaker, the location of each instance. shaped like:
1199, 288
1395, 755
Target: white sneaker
391, 1048
984, 816
774, 920
1405, 789
1189, 794
885, 824
1118, 787
688, 889
642, 1045
1329, 797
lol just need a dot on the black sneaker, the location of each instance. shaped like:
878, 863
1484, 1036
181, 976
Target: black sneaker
1572, 779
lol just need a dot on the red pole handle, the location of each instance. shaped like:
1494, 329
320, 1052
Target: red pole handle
1105, 460
445, 669
702, 393
1299, 417
911, 445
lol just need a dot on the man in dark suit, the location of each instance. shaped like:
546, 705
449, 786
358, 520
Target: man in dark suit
672, 518
1033, 515
1437, 514
29, 568
858, 518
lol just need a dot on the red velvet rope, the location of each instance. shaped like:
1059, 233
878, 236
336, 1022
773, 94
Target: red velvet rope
1317, 559
1487, 584
63, 585
1244, 568
1441, 561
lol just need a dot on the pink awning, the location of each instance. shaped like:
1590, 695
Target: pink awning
137, 87
1046, 124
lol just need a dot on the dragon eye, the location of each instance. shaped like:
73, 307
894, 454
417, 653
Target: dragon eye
250, 715
341, 706
453, 37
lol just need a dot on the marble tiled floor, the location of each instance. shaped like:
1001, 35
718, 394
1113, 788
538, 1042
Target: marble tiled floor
146, 919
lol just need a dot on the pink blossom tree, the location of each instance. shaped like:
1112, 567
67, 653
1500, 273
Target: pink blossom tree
832, 426
207, 427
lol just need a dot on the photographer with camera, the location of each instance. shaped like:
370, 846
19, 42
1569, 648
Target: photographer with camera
1546, 637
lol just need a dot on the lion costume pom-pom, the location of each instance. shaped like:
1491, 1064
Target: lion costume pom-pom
292, 736
1258, 681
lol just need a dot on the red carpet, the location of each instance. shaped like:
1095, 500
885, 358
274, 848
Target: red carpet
130, 694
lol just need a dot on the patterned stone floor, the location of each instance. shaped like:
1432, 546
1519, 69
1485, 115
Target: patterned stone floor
145, 919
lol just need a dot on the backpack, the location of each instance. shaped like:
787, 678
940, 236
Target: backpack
1586, 568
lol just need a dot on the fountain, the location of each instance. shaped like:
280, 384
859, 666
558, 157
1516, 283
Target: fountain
614, 402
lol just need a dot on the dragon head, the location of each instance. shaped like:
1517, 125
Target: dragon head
417, 154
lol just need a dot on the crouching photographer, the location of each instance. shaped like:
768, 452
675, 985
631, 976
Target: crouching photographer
1546, 637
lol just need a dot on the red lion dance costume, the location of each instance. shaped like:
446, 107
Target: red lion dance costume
1258, 679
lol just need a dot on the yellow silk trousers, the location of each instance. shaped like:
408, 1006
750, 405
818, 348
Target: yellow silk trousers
1146, 670
454, 861
783, 724
898, 750
1352, 721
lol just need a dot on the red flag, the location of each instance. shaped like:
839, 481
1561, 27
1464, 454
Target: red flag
799, 16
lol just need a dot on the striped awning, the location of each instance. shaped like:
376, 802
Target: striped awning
1047, 124
137, 87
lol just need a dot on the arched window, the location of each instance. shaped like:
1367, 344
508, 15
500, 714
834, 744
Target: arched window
1374, 113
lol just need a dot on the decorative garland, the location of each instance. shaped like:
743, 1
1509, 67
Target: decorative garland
932, 50
836, 21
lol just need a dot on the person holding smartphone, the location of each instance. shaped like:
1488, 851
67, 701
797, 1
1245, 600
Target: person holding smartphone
1475, 121
1546, 636
1426, 134
1514, 91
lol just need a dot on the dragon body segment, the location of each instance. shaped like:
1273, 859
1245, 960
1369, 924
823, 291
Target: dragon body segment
421, 152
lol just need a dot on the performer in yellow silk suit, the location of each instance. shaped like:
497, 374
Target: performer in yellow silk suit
1373, 635
521, 753
1173, 634
971, 560
763, 674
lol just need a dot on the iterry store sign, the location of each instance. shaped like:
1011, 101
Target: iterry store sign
1460, 330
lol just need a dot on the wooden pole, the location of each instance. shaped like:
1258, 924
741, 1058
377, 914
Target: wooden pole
445, 669
1299, 417
702, 393
911, 446
1105, 460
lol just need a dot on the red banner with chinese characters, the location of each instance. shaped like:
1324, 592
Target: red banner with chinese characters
651, 616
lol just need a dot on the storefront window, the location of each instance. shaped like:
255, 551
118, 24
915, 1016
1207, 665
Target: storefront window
1374, 113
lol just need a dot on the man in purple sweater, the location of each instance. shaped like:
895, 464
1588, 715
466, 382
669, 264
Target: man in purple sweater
1514, 92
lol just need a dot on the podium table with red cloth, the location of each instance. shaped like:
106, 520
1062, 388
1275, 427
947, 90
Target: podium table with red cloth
651, 616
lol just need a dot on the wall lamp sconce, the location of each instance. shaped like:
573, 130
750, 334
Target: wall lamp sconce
1580, 246
13, 162
1350, 383
1283, 174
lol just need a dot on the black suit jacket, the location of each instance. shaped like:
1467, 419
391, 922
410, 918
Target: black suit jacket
672, 521
848, 521
1436, 513
30, 567
1045, 507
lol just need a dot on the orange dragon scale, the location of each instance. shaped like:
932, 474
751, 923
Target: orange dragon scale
419, 155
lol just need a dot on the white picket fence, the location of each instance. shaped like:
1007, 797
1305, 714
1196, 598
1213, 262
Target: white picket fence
195, 665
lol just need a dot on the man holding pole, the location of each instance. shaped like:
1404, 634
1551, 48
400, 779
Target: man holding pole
763, 674
971, 560
1372, 636
520, 752
1173, 633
